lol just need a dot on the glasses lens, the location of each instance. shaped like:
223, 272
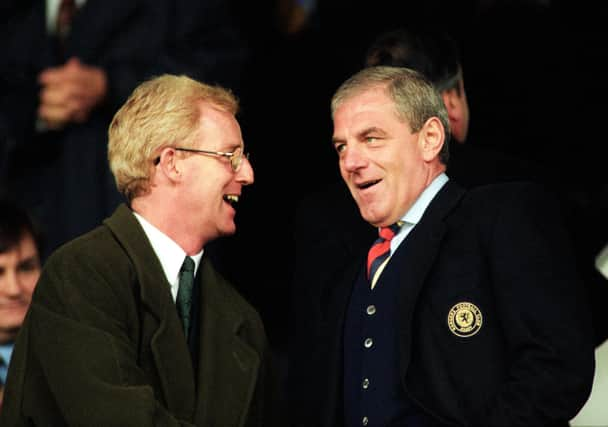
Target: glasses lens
236, 159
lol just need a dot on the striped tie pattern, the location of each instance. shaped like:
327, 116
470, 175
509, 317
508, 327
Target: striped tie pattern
380, 250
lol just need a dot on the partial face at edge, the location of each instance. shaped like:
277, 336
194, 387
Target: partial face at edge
19, 273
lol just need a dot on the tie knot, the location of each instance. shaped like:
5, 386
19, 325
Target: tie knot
188, 265
387, 233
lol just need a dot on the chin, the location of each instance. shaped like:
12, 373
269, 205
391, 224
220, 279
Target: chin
228, 230
12, 322
368, 216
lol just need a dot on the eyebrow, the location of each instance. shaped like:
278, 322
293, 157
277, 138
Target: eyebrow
29, 260
362, 134
373, 129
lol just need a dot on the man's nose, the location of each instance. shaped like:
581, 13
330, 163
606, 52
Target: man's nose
353, 158
245, 174
10, 283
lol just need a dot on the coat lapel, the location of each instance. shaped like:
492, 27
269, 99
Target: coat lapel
228, 366
160, 322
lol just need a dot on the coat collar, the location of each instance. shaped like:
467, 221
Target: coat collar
170, 352
228, 366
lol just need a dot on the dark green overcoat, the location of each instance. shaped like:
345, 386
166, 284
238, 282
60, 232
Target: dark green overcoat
102, 343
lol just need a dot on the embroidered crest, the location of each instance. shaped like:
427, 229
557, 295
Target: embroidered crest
465, 319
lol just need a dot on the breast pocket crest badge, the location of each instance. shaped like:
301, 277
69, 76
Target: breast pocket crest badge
465, 319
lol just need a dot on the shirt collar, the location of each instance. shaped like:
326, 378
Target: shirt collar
169, 253
415, 212
6, 350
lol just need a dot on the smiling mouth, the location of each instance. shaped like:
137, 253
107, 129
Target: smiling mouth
367, 184
231, 199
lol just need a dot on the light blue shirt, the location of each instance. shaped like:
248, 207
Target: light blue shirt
415, 212
6, 350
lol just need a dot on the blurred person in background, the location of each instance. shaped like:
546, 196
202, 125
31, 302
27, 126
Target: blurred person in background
20, 248
67, 66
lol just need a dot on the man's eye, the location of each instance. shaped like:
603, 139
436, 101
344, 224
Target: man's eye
340, 147
370, 138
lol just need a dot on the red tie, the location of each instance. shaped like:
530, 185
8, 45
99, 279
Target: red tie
380, 250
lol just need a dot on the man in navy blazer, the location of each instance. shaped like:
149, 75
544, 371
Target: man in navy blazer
478, 317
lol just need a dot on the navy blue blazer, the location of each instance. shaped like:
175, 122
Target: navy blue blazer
499, 253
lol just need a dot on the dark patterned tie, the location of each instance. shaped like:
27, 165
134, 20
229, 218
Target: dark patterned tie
380, 250
184, 293
65, 13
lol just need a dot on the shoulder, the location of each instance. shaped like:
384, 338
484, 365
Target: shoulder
97, 249
92, 267
518, 193
510, 204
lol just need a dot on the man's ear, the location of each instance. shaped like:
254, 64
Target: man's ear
168, 164
432, 138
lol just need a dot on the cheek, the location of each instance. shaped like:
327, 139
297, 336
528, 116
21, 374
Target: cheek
204, 190
343, 171
29, 283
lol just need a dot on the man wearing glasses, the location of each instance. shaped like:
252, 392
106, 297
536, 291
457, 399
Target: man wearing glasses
113, 336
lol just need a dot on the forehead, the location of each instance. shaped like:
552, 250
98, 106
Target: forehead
219, 125
372, 106
25, 248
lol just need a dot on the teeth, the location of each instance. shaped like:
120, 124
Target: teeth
231, 198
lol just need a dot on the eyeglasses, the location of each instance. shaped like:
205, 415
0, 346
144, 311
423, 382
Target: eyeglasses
235, 157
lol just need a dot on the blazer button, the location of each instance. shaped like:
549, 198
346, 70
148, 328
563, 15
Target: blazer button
364, 421
371, 310
365, 383
368, 342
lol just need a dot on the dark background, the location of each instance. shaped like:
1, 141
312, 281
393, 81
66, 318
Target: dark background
535, 80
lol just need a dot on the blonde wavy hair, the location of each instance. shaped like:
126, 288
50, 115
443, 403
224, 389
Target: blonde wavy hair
161, 112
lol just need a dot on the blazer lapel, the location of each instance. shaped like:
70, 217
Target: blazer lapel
415, 257
161, 326
228, 366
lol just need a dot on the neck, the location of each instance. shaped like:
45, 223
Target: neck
162, 215
433, 172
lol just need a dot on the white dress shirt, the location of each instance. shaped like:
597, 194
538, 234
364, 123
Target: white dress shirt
169, 253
